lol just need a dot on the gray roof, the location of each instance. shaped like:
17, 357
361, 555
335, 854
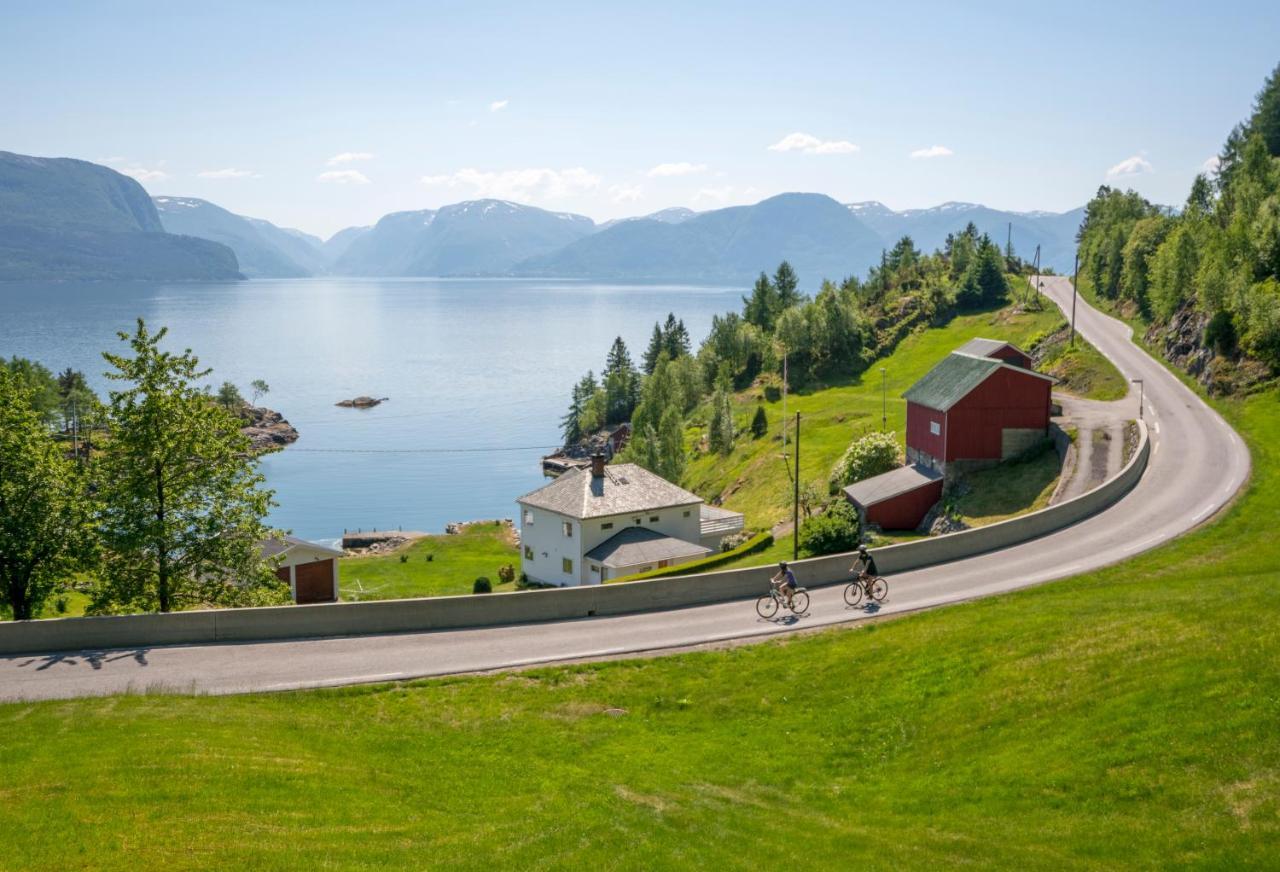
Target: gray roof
955, 376
716, 513
624, 488
285, 542
636, 545
888, 485
987, 347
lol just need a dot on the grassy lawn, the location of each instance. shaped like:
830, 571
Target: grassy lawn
455, 563
1126, 718
1083, 371
1012, 488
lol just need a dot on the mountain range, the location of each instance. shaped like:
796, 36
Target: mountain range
62, 218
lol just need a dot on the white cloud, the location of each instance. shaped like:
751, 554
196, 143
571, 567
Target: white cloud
143, 174
1131, 166
498, 105
229, 173
525, 184
1211, 166
932, 151
683, 168
343, 177
348, 157
809, 144
626, 193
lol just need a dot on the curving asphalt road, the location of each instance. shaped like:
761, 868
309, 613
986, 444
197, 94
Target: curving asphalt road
1197, 464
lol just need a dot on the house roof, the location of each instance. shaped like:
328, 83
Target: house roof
624, 487
279, 545
888, 485
636, 545
987, 347
955, 376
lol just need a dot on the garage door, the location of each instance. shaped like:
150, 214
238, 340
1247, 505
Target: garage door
313, 582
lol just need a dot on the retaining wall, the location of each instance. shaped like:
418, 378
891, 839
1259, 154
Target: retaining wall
390, 616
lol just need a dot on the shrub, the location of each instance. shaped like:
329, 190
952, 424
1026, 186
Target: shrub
404, 558
506, 574
834, 531
871, 455
1220, 333
760, 423
482, 585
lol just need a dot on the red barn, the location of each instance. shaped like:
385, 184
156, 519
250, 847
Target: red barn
1006, 351
972, 407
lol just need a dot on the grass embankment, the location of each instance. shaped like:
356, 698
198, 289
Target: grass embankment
1013, 488
1081, 369
437, 565
1126, 718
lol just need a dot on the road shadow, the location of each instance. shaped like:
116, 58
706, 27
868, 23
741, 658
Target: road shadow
93, 659
868, 608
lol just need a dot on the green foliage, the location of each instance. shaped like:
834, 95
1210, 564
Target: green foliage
621, 384
759, 422
984, 284
260, 389
182, 503
506, 574
672, 337
834, 531
579, 420
1220, 333
873, 454
39, 385
229, 396
762, 307
45, 532
482, 585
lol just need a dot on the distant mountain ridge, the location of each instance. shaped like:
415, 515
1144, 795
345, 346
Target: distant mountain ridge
263, 249
69, 219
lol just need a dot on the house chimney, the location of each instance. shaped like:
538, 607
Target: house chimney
597, 465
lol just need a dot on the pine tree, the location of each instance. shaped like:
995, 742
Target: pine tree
787, 287
571, 423
761, 307
657, 343
621, 383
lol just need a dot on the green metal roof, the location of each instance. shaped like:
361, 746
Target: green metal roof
948, 382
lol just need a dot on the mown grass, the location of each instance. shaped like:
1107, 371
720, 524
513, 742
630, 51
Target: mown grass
456, 561
1017, 486
1122, 719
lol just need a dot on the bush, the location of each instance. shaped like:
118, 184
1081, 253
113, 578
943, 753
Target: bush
404, 558
482, 585
1220, 333
834, 531
506, 574
871, 455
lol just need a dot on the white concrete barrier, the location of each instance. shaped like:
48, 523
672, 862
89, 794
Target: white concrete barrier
436, 613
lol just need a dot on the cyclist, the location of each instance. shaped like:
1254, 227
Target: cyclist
785, 581
868, 564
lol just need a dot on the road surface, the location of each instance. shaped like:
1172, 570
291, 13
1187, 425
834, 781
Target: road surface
1197, 465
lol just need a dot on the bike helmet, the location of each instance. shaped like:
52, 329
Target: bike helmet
782, 564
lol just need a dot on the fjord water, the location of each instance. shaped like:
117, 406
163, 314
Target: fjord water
466, 365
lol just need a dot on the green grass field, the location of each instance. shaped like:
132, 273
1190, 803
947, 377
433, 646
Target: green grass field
1126, 718
456, 561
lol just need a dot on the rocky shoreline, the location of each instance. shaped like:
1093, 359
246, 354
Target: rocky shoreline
266, 428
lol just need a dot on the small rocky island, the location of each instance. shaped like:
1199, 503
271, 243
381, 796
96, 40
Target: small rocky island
361, 402
266, 428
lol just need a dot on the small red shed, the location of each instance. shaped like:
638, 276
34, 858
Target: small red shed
898, 499
972, 407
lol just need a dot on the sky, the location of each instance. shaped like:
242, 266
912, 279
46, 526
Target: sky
326, 115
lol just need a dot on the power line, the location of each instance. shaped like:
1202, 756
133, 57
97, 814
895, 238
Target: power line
486, 450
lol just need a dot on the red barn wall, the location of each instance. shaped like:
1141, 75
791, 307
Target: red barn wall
918, 435
1009, 354
905, 511
1007, 399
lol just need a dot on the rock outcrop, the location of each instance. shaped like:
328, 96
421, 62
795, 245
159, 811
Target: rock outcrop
361, 402
266, 428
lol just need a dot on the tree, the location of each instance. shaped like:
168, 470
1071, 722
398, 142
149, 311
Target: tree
761, 308
675, 338
1144, 239
835, 530
44, 511
571, 424
984, 283
621, 383
229, 396
787, 287
873, 454
759, 423
40, 384
182, 503
260, 389
656, 346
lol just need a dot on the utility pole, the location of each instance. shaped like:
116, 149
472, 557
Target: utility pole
1008, 248
1075, 271
795, 508
784, 402
884, 401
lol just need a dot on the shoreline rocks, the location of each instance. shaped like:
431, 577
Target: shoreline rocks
266, 428
361, 402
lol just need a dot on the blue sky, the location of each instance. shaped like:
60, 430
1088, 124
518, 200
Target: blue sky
321, 116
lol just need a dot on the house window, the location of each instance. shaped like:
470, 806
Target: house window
528, 516
595, 570
686, 513
608, 526
935, 428
637, 520
568, 529
566, 565
653, 519
528, 553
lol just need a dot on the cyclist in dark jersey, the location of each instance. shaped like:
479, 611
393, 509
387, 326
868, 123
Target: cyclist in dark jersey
868, 564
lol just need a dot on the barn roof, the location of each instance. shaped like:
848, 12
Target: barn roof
955, 376
888, 485
624, 487
987, 347
636, 545
284, 542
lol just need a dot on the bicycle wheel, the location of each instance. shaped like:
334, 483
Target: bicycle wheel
800, 602
879, 589
853, 593
766, 607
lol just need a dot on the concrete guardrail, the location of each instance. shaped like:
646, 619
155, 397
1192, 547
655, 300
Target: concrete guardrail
438, 613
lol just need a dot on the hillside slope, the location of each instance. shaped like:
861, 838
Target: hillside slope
71, 219
263, 250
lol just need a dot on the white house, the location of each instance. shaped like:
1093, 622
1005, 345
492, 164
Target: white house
311, 569
605, 522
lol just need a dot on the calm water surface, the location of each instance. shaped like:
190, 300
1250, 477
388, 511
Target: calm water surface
466, 364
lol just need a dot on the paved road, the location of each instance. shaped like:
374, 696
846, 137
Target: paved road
1197, 465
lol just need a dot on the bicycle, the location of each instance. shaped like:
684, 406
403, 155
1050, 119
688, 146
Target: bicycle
870, 586
767, 606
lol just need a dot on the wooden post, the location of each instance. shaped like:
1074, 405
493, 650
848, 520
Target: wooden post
1075, 274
